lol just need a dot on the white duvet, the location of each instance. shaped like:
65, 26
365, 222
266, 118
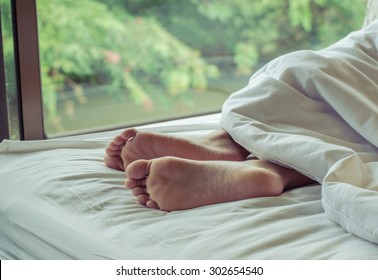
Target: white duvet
317, 112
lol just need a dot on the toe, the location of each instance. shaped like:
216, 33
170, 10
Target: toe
152, 204
133, 183
139, 169
113, 162
118, 141
139, 190
128, 133
130, 183
112, 151
143, 198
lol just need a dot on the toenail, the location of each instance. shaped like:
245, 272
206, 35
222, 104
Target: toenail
130, 139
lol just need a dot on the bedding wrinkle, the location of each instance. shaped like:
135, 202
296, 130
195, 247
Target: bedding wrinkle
317, 112
75, 240
351, 169
348, 213
49, 214
67, 197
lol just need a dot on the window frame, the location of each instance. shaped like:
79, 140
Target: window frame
4, 127
27, 68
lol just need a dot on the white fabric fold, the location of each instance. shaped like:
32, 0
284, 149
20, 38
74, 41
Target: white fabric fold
317, 112
59, 201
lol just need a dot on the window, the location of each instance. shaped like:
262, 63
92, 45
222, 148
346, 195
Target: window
9, 101
106, 64
117, 63
22, 73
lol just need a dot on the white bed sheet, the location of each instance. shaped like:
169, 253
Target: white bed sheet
59, 201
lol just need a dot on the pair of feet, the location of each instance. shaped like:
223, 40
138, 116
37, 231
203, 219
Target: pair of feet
174, 173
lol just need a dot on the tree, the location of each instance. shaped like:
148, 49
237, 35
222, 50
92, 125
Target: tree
92, 44
270, 28
153, 51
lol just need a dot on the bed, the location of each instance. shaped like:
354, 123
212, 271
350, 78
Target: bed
59, 201
315, 112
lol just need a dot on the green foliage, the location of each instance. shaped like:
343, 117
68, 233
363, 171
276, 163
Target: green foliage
87, 42
8, 46
269, 28
155, 51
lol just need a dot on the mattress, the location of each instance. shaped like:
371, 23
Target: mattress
59, 201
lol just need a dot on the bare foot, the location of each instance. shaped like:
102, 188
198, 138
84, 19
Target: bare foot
171, 183
133, 145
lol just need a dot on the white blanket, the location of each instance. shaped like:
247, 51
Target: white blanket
59, 201
317, 112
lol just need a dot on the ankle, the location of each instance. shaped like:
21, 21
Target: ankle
270, 182
223, 141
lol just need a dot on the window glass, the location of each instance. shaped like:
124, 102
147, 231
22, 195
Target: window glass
10, 74
113, 63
